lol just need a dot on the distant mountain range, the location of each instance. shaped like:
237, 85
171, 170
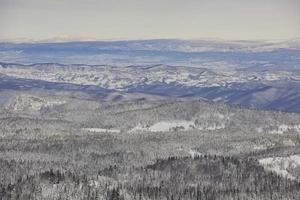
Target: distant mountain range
198, 53
262, 75
266, 89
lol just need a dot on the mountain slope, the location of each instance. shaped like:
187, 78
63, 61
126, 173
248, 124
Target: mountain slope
266, 89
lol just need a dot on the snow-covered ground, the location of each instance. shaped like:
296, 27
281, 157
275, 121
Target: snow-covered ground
175, 125
101, 130
165, 126
281, 129
194, 153
34, 103
289, 143
282, 165
120, 78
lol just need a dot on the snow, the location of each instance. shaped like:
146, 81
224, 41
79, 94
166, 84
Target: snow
289, 142
168, 126
173, 125
281, 165
35, 103
214, 127
259, 130
221, 116
194, 153
259, 147
94, 183
101, 130
120, 78
283, 128
165, 126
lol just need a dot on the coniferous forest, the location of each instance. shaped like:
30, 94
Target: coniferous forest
202, 177
86, 149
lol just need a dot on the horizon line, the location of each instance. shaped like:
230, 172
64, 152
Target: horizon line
90, 39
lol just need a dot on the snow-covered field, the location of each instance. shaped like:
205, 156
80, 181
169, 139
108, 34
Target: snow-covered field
101, 130
282, 165
281, 129
34, 103
175, 125
165, 126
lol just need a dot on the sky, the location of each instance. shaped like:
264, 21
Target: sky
149, 19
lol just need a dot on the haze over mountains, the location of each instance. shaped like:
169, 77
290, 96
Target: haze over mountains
199, 53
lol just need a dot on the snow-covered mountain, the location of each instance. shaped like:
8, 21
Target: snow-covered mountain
268, 89
123, 78
255, 74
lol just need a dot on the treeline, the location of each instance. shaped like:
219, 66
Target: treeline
199, 178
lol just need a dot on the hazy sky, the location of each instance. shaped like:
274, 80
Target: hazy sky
143, 19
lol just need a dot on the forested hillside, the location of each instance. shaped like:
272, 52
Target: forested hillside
68, 145
202, 177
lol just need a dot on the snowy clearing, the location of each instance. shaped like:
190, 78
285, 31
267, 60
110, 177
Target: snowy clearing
281, 165
165, 126
176, 125
101, 130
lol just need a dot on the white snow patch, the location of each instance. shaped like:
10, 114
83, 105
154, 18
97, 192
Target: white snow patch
281, 165
101, 130
221, 116
176, 125
94, 183
119, 78
259, 129
289, 142
35, 103
283, 128
165, 126
194, 153
171, 125
214, 127
259, 147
